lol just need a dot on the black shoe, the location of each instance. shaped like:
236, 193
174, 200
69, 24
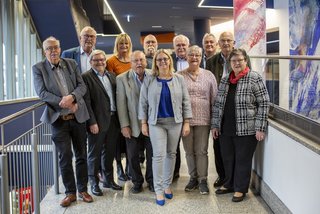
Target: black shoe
223, 191
238, 199
136, 189
192, 185
219, 182
151, 187
176, 175
203, 187
95, 189
112, 184
121, 175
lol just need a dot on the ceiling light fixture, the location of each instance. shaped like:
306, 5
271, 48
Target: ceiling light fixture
216, 7
128, 18
114, 16
156, 26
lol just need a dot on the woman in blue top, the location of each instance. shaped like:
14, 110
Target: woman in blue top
164, 110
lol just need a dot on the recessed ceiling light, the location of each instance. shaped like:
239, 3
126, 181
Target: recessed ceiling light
156, 26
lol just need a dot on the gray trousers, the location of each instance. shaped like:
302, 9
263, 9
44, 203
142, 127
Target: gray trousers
164, 139
196, 148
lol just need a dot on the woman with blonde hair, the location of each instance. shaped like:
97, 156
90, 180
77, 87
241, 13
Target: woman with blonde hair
164, 110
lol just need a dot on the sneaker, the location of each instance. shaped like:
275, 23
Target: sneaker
203, 187
192, 185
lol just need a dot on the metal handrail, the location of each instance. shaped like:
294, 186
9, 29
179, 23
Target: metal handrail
302, 57
20, 113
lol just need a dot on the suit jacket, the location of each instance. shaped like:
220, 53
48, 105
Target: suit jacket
174, 61
73, 53
215, 65
47, 88
150, 99
128, 101
97, 99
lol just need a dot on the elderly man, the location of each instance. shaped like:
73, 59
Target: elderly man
128, 91
103, 125
179, 57
150, 46
209, 44
81, 54
219, 66
57, 82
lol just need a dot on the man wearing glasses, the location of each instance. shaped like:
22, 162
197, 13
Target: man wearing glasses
58, 83
88, 38
103, 125
219, 66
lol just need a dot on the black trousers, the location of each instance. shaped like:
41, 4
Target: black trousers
218, 158
133, 150
178, 160
109, 148
237, 153
64, 135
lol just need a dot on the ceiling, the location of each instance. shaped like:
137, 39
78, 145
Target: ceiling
173, 15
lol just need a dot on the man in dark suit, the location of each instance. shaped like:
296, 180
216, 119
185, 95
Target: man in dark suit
128, 91
88, 37
103, 125
179, 58
219, 66
57, 82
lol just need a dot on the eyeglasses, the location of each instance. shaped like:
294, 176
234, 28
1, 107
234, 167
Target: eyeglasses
233, 61
226, 40
86, 36
52, 48
162, 59
194, 55
99, 60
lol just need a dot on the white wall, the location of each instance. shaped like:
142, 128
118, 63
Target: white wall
291, 170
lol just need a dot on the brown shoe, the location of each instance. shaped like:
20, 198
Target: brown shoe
68, 200
85, 197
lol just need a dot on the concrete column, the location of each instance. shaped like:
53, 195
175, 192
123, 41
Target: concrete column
201, 26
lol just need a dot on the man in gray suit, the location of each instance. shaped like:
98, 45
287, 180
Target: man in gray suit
128, 91
88, 39
57, 82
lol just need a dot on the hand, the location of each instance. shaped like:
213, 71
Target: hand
260, 135
145, 129
74, 107
126, 132
66, 101
94, 129
185, 129
215, 133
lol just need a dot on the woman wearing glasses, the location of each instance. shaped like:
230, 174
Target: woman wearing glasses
164, 110
202, 88
240, 120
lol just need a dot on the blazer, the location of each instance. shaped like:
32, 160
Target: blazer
150, 99
73, 53
47, 89
251, 104
97, 99
215, 65
128, 101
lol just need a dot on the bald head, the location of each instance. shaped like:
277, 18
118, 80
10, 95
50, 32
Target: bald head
150, 45
226, 43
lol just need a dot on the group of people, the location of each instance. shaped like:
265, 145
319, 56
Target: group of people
148, 101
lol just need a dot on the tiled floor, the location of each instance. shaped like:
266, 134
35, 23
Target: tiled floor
124, 202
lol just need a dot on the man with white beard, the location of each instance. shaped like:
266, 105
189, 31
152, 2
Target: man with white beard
150, 46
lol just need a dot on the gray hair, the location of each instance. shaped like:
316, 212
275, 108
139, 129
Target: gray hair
207, 35
88, 28
194, 48
181, 36
96, 52
49, 39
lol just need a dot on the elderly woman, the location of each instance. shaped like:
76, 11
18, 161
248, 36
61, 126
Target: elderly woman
240, 120
119, 63
164, 110
202, 88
